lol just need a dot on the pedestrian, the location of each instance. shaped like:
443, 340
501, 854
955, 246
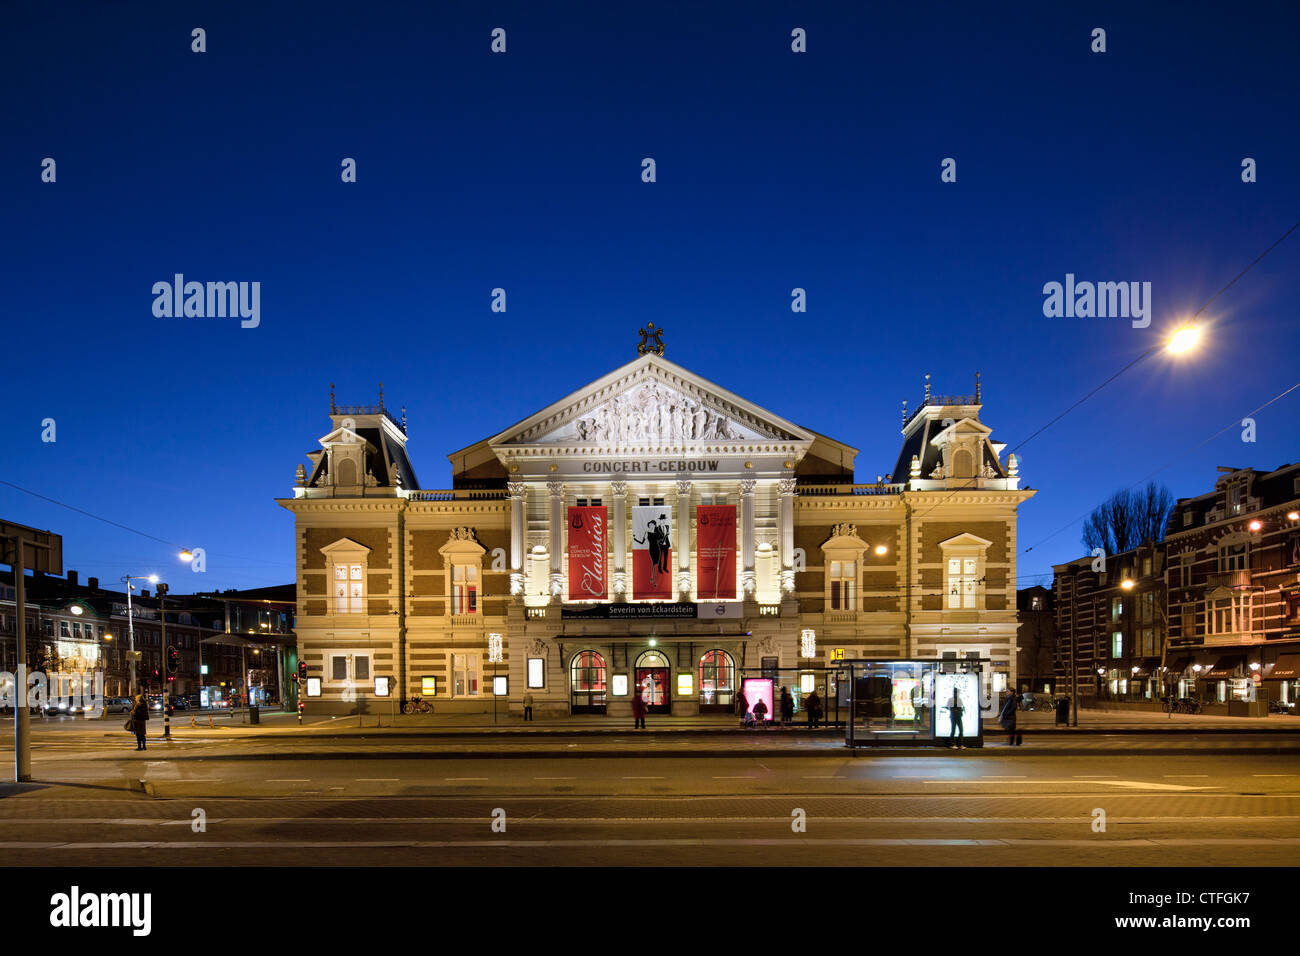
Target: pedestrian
814, 705
742, 707
1007, 718
139, 714
760, 711
528, 705
955, 709
787, 707
638, 711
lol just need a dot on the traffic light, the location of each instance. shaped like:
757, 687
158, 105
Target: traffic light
173, 660
302, 670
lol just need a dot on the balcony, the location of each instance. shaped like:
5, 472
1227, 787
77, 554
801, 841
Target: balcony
459, 494
882, 488
1233, 580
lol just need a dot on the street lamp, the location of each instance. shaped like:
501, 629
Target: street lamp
130, 619
1184, 339
186, 555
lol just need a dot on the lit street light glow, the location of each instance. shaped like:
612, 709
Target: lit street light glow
1184, 339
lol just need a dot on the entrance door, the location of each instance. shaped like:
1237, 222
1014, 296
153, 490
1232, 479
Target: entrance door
717, 683
587, 683
652, 685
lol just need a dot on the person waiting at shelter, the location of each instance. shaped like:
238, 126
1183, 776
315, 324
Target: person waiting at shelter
760, 711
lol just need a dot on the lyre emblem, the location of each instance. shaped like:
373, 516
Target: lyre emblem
646, 334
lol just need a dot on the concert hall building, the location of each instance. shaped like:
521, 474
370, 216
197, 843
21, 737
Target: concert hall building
649, 533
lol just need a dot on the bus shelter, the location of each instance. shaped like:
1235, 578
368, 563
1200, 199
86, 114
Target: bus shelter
892, 702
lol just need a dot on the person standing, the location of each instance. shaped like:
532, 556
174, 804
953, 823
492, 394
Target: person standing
742, 707
1007, 718
955, 710
638, 710
528, 705
787, 707
139, 716
812, 703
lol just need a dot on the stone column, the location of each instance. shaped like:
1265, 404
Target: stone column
516, 490
747, 581
683, 540
556, 489
787, 487
619, 491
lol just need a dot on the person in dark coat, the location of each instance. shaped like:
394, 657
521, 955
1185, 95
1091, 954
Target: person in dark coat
742, 707
955, 710
638, 710
1007, 718
813, 703
760, 711
787, 707
139, 715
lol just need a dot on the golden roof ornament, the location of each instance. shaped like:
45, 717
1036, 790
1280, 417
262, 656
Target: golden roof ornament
645, 347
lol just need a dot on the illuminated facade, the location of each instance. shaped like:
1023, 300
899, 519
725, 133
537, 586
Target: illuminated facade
650, 533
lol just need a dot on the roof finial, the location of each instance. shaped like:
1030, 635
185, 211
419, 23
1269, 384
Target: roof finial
977, 389
403, 418
381, 396
331, 398
646, 334
904, 413
927, 388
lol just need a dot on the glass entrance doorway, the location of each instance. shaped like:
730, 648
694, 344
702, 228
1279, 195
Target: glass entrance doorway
587, 683
717, 683
652, 675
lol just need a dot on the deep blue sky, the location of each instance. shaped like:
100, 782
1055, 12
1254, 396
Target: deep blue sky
522, 170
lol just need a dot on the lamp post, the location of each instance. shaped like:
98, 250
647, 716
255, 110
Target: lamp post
130, 622
162, 623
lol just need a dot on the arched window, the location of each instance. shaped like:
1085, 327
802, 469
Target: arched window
963, 464
651, 659
717, 679
347, 472
589, 672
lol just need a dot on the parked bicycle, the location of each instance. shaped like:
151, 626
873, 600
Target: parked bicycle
417, 705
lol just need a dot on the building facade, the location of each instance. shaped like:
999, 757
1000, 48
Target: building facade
1036, 651
651, 533
1223, 587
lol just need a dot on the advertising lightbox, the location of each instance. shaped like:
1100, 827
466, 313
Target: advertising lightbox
953, 691
756, 689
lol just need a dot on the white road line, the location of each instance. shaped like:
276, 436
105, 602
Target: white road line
1275, 775
287, 780
643, 778
376, 779
461, 779
743, 776
1171, 776
555, 778
820, 776
1094, 776
1004, 776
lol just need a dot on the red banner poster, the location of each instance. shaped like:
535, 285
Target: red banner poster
715, 550
652, 552
587, 552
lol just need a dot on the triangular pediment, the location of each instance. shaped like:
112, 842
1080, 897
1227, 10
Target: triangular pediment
651, 402
345, 436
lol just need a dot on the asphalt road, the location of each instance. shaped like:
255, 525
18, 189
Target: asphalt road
99, 805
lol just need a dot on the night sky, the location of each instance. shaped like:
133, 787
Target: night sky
522, 171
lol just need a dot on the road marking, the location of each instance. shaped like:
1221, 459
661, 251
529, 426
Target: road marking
1004, 776
1170, 776
288, 780
462, 779
555, 778
1275, 775
743, 776
1131, 784
1094, 776
820, 776
377, 779
643, 778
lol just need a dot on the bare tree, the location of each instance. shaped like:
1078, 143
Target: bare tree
1128, 518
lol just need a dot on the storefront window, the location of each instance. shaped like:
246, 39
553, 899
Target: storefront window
717, 679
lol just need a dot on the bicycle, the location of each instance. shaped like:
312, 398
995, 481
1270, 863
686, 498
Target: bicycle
1191, 705
417, 705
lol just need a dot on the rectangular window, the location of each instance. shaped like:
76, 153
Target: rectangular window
1117, 644
464, 675
1147, 637
464, 589
1116, 609
844, 580
1221, 616
643, 502
338, 667
362, 668
349, 589
1232, 557
64, 630
962, 584
1146, 566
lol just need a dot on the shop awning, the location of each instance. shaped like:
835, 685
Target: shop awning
1286, 668
1225, 667
1180, 664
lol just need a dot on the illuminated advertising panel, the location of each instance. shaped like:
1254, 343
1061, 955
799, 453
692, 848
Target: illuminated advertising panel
619, 688
756, 689
715, 546
587, 549
313, 686
383, 686
685, 685
953, 692
429, 686
906, 691
536, 672
652, 552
